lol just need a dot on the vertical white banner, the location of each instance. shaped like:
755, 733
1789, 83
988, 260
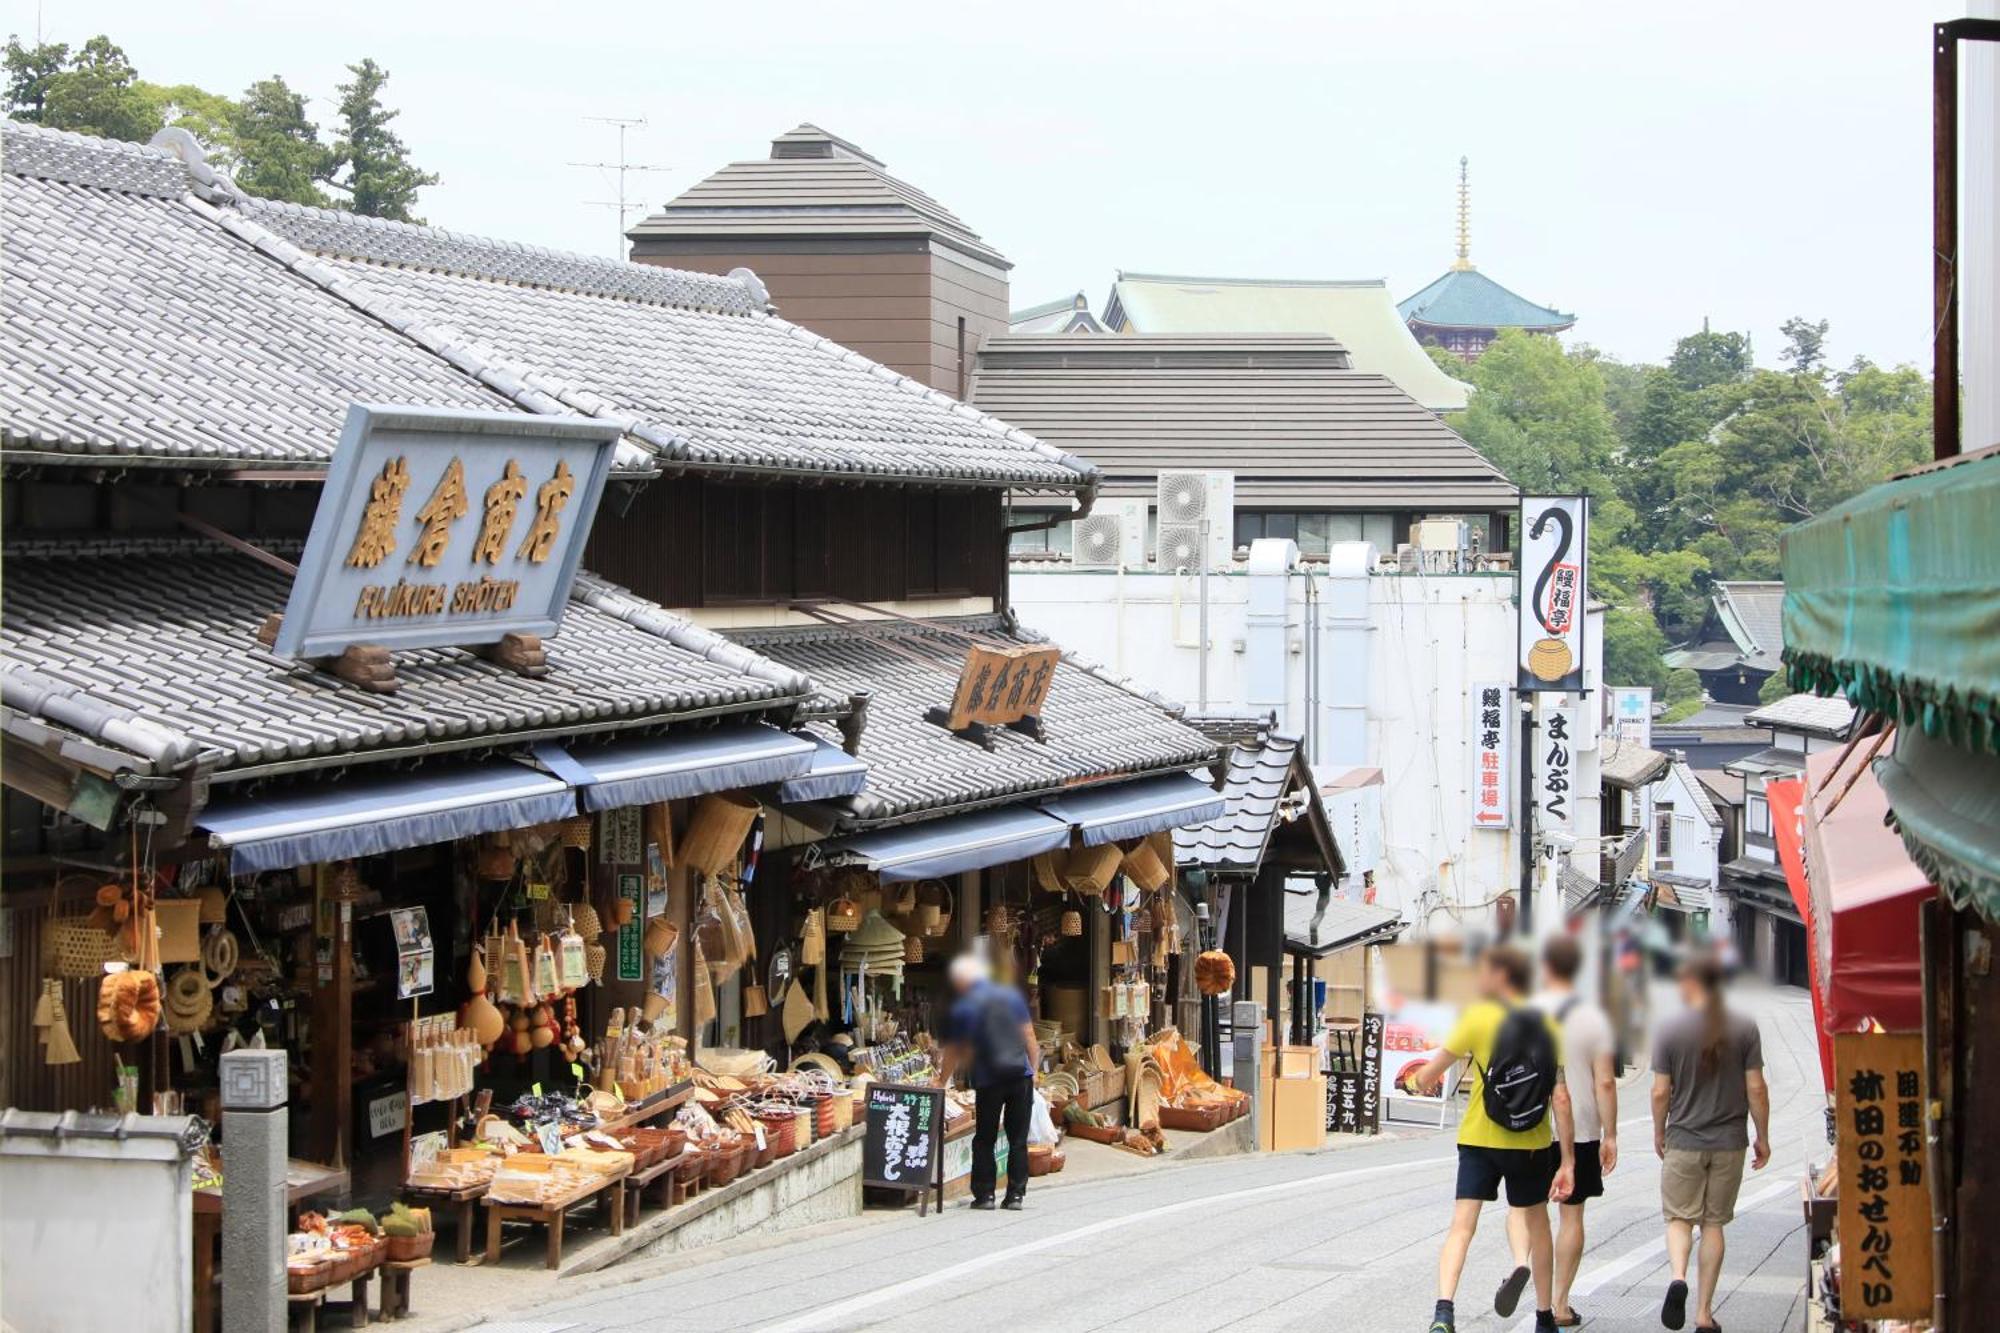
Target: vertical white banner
1492, 742
1554, 593
1555, 766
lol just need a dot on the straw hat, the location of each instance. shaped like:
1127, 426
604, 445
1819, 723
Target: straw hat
189, 1001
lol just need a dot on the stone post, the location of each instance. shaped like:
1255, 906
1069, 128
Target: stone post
1246, 1019
254, 1154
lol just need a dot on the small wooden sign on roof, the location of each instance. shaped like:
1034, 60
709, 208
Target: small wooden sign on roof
998, 687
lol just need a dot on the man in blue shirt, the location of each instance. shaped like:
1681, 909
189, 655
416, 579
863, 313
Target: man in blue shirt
989, 1030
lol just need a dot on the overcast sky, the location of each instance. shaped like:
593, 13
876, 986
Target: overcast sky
1642, 166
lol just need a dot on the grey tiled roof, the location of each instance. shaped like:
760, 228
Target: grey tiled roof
1260, 777
1628, 765
1753, 613
132, 327
701, 375
1830, 718
149, 646
1098, 727
1698, 793
1311, 930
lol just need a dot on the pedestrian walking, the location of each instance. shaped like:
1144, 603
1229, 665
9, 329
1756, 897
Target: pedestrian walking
990, 1034
1519, 1108
1708, 1080
1590, 1072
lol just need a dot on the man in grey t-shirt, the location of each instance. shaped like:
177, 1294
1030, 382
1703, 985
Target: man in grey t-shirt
1708, 1080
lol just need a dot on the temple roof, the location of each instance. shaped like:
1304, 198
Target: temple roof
1465, 298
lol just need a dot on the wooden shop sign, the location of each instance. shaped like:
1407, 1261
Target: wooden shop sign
1001, 686
1884, 1208
443, 528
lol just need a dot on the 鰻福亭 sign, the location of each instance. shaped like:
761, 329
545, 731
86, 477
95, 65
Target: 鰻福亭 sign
1554, 593
439, 528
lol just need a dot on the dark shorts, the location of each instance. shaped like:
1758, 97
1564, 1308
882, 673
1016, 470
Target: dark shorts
1527, 1171
1589, 1171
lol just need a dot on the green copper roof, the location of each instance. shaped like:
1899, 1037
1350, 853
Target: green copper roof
1465, 298
1893, 599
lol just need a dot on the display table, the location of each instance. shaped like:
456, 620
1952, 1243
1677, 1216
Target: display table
303, 1180
458, 1203
610, 1191
639, 1182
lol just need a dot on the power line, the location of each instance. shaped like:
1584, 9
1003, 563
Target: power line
624, 125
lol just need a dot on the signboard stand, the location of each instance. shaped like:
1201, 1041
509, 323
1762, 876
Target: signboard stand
902, 1146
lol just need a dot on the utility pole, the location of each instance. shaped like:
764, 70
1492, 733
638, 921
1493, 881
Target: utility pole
624, 125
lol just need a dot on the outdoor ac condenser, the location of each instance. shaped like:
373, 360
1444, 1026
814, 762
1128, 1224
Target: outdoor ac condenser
1184, 500
1111, 535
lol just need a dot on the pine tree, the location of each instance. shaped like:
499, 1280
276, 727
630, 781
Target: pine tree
30, 70
278, 151
381, 181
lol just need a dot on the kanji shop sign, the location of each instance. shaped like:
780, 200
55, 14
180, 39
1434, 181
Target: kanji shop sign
1885, 1202
1002, 685
446, 528
1492, 732
1553, 592
1555, 767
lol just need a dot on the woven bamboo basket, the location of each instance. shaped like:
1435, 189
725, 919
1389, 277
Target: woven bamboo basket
1090, 870
1072, 923
716, 832
1048, 872
934, 904
843, 914
81, 949
576, 832
1142, 865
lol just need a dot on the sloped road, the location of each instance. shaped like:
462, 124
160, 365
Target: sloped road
1342, 1240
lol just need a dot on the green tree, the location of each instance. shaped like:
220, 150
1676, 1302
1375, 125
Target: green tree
1451, 363
380, 179
1773, 689
278, 151
98, 92
208, 116
1634, 647
30, 70
1539, 416
1805, 345
1684, 695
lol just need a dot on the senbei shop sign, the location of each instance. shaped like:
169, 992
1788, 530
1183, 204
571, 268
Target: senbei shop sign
446, 528
1553, 593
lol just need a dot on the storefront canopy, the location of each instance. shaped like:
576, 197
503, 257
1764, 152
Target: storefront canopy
1863, 896
668, 768
949, 846
1124, 810
833, 774
334, 821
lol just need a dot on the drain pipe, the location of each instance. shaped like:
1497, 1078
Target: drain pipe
1202, 627
1311, 737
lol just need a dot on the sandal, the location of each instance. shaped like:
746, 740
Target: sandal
1574, 1319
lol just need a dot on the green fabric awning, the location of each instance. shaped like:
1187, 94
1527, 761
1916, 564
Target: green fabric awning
1893, 599
1945, 801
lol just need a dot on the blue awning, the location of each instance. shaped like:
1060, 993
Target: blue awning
1133, 809
668, 768
834, 773
365, 816
961, 842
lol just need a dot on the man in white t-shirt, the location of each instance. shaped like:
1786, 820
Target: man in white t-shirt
1591, 1074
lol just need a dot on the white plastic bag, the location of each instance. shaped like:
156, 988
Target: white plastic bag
1042, 1125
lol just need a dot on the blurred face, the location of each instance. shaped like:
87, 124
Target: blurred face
1492, 981
1693, 993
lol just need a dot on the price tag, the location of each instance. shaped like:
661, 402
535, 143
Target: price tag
537, 1090
550, 1137
537, 892
577, 1070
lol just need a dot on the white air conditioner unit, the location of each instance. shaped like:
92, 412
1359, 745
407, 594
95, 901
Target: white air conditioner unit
1110, 536
1185, 500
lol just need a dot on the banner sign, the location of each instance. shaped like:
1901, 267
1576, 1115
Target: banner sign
902, 1144
1373, 1029
1632, 714
1553, 594
440, 528
1884, 1210
1492, 732
1555, 768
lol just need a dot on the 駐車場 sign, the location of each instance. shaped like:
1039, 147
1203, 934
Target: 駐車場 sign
446, 528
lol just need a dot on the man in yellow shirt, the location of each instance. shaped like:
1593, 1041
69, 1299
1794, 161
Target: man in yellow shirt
1518, 1094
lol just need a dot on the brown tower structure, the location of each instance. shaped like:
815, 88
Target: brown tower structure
846, 250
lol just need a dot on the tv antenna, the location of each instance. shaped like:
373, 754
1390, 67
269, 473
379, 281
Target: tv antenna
624, 125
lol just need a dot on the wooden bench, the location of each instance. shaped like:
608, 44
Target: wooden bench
550, 1215
639, 1182
303, 1308
396, 1286
459, 1203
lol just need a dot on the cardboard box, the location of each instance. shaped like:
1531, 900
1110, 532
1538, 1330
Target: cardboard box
1290, 1062
1294, 1113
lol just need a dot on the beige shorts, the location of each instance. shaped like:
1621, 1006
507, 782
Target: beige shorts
1700, 1187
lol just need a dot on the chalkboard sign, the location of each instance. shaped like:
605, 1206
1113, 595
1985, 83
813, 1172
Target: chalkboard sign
1373, 1028
902, 1147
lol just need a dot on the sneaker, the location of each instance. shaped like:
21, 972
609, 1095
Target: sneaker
984, 1205
1012, 1203
1442, 1326
1509, 1295
1673, 1311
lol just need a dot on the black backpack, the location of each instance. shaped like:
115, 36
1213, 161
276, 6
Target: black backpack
1521, 1077
999, 1037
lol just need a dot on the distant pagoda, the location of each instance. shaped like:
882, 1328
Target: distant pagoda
1464, 310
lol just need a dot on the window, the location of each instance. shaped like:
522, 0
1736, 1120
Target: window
1316, 530
1053, 541
1757, 815
1663, 835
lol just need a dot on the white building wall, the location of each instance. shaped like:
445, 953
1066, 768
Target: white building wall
1397, 657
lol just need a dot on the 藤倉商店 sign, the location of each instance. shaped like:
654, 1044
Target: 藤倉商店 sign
1553, 594
440, 528
1492, 729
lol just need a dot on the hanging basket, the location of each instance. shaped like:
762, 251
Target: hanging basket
1048, 872
716, 832
1142, 865
576, 833
1090, 870
934, 904
913, 948
843, 914
1072, 923
81, 949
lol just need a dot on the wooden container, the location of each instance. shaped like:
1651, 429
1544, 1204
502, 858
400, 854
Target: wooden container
1203, 1116
1142, 865
716, 832
1090, 870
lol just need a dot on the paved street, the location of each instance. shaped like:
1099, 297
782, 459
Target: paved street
1344, 1240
